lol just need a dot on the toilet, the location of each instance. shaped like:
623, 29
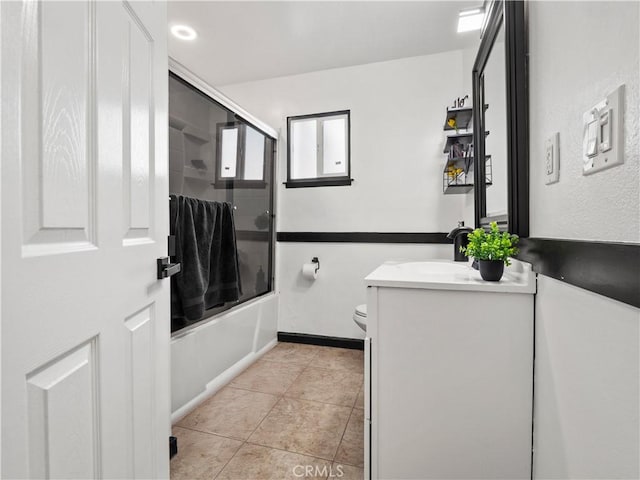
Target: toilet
360, 316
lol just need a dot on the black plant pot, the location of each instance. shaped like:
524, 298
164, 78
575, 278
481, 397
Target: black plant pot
491, 270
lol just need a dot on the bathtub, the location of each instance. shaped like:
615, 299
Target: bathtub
206, 357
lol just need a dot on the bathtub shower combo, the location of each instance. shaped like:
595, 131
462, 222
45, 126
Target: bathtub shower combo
221, 174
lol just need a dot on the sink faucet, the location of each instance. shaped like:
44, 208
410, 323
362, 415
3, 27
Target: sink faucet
459, 237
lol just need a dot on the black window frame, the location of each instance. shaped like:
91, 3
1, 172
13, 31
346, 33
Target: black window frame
332, 181
237, 181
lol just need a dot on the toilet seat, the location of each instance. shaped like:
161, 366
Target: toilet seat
360, 316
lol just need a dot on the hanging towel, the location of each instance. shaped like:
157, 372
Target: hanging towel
206, 248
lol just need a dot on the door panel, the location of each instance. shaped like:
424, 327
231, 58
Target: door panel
140, 362
138, 135
57, 126
64, 119
85, 323
63, 423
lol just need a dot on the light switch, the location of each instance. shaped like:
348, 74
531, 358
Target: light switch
605, 130
552, 159
603, 141
592, 136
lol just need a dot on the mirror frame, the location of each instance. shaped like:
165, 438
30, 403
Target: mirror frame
513, 15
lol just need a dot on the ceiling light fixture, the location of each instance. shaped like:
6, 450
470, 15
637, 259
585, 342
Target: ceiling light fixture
469, 20
183, 32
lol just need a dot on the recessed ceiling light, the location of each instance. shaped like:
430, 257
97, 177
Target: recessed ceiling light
183, 32
470, 20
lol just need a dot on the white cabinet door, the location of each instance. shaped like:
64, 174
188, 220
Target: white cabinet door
85, 323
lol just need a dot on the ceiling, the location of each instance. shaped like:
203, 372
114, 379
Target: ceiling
240, 41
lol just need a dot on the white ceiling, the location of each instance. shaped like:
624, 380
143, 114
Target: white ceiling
241, 41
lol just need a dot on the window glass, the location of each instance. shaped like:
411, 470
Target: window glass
304, 149
334, 146
253, 154
229, 152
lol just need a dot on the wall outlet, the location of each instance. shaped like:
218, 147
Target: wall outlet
552, 159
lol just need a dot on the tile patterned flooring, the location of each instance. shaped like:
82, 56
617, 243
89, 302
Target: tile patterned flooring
298, 409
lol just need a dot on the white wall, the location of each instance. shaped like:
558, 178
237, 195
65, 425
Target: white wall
397, 115
580, 52
325, 306
586, 389
586, 385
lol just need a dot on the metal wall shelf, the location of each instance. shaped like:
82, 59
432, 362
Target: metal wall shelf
462, 117
464, 139
457, 176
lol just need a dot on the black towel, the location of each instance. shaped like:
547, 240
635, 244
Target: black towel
206, 248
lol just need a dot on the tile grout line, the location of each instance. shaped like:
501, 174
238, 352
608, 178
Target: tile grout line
280, 397
237, 439
317, 401
342, 437
230, 458
244, 389
226, 438
289, 451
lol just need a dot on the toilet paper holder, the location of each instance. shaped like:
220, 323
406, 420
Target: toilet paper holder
316, 261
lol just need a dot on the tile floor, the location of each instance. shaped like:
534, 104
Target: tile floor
295, 413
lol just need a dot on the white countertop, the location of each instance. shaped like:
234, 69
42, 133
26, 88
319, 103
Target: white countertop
450, 275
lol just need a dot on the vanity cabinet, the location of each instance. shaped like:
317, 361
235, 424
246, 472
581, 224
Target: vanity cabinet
449, 360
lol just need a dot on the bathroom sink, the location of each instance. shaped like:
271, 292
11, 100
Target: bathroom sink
430, 271
434, 268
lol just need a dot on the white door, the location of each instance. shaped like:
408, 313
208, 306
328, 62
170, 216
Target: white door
85, 322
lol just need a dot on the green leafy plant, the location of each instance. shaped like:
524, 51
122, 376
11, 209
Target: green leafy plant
491, 245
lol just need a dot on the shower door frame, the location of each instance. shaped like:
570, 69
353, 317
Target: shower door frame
184, 74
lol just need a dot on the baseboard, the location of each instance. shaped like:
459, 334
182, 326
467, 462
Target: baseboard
220, 381
350, 343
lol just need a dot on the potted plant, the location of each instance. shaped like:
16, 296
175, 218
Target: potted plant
492, 250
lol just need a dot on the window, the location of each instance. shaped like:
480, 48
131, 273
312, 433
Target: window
241, 153
319, 150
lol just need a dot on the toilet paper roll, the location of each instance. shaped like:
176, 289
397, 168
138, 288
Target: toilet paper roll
309, 271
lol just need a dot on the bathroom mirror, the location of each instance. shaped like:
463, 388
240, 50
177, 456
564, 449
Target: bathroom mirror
500, 119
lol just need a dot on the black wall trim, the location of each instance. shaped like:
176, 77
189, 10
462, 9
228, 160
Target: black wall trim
329, 182
363, 237
254, 235
607, 268
350, 343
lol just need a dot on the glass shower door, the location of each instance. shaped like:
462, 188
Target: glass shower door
215, 155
